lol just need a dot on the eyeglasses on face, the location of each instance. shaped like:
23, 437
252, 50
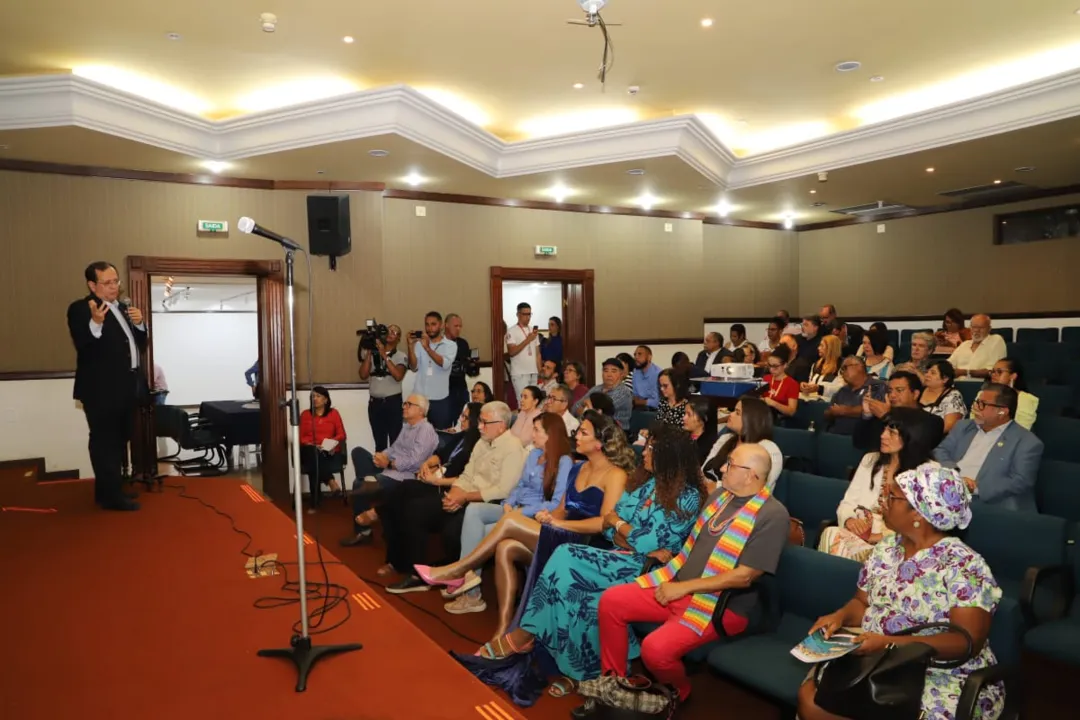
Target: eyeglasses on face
108, 283
489, 422
409, 404
981, 404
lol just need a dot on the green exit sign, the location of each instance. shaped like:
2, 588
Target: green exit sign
213, 226
546, 250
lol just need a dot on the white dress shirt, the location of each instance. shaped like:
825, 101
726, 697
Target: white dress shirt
977, 452
983, 357
114, 307
572, 422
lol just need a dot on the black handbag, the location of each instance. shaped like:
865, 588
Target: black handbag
886, 685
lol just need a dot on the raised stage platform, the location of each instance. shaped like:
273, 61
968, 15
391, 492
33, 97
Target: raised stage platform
151, 615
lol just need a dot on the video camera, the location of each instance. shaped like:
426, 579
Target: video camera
369, 335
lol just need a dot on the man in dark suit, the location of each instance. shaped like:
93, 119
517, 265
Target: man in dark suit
108, 336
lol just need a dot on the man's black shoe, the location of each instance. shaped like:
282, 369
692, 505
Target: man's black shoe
586, 710
122, 504
361, 538
408, 585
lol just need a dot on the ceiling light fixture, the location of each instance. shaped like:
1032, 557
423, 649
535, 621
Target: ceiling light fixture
929, 169
215, 166
560, 192
848, 66
635, 171
348, 39
173, 36
997, 182
723, 208
817, 204
414, 179
813, 192
320, 172
268, 21
877, 78
578, 86
789, 222
706, 22
378, 153
645, 201
1026, 168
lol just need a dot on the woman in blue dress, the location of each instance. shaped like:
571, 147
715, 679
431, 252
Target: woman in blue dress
593, 489
652, 519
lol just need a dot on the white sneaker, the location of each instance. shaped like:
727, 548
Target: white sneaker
464, 604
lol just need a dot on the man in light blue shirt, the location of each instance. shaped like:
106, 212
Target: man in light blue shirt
646, 380
431, 357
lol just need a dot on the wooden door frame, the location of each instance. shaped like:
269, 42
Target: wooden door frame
270, 284
500, 274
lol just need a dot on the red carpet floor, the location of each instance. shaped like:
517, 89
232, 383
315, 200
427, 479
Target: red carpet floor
150, 615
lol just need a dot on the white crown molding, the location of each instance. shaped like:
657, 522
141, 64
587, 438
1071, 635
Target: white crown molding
61, 100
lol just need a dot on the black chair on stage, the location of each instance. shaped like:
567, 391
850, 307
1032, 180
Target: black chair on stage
190, 433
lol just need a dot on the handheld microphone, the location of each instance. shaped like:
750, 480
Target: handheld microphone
249, 226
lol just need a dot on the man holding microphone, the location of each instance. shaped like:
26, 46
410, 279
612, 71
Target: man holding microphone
108, 336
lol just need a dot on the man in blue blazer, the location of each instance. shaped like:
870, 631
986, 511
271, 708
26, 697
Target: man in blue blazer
998, 459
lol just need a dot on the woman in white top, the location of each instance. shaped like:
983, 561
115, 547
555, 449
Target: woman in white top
825, 377
875, 343
750, 422
908, 441
939, 397
890, 351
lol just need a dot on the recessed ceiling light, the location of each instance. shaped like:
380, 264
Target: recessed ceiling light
706, 22
848, 66
378, 153
559, 193
789, 221
929, 169
877, 78
817, 204
1025, 168
173, 36
414, 179
645, 201
635, 171
997, 182
214, 166
320, 172
723, 208
578, 86
348, 39
813, 192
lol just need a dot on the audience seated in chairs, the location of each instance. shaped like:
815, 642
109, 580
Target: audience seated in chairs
711, 353
998, 459
952, 334
906, 442
923, 345
490, 475
889, 353
808, 341
384, 471
825, 373
924, 508
540, 489
798, 368
940, 397
549, 375
904, 392
321, 442
782, 394
773, 333
976, 356
644, 379
674, 394
737, 538
593, 489
874, 346
574, 378
700, 421
749, 423
621, 396
1009, 371
847, 403
651, 521
530, 405
481, 393
558, 402
738, 348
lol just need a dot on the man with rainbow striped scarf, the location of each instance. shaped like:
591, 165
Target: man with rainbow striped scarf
737, 537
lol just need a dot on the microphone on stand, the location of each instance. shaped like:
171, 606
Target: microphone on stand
249, 226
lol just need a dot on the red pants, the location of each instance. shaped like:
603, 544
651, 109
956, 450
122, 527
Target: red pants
662, 649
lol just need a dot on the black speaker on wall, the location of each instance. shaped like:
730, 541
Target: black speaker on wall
329, 230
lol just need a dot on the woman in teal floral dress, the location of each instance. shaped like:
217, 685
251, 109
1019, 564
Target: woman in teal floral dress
919, 575
651, 520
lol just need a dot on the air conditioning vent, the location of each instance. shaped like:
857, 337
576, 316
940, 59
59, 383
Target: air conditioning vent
870, 209
984, 190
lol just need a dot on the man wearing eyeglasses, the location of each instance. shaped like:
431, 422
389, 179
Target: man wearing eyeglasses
974, 358
847, 402
385, 471
998, 459
492, 472
558, 402
108, 337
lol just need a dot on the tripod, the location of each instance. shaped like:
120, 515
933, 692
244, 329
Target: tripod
302, 653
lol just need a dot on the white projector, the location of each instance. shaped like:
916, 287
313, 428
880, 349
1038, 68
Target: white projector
732, 371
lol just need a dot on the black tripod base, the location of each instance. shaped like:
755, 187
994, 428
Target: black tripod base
304, 655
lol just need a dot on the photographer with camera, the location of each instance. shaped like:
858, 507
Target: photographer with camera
383, 366
465, 363
431, 356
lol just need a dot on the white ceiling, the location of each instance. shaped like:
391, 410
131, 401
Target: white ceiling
204, 297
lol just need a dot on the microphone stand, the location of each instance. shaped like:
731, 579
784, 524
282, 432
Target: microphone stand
302, 653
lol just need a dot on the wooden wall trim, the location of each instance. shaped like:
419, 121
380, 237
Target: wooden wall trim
41, 375
1048, 315
651, 341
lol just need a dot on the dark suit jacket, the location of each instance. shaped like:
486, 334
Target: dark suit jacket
103, 376
1007, 476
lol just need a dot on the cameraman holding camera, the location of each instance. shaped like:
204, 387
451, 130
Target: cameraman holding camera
383, 366
431, 356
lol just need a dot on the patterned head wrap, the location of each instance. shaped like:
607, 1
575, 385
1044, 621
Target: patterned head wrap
938, 494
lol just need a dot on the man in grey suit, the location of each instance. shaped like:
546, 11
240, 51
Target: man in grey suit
998, 459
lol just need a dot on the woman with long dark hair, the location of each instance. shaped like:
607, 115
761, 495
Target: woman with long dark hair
940, 396
551, 346
699, 420
750, 422
907, 442
674, 393
651, 520
321, 436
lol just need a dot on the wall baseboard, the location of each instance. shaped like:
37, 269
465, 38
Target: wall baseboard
38, 466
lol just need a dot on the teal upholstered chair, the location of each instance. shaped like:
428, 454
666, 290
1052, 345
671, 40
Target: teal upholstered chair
812, 500
1057, 492
1057, 634
799, 448
837, 456
1059, 435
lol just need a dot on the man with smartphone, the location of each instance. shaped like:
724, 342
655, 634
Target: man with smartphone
431, 357
108, 336
465, 363
523, 350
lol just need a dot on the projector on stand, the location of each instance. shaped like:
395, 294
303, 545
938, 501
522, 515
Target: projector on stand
732, 371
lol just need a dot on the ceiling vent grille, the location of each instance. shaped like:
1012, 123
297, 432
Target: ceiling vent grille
870, 209
984, 190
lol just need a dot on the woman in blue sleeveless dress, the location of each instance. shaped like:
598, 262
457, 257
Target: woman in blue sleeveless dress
592, 490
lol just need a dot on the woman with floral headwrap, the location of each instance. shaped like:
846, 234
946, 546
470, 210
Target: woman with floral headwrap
923, 574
